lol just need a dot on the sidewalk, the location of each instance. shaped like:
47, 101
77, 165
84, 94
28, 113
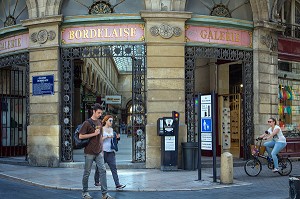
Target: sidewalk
135, 179
134, 175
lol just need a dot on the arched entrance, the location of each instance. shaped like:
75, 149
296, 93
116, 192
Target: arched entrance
14, 104
192, 53
136, 53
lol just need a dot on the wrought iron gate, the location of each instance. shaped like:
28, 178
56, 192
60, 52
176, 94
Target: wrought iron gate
194, 52
14, 104
137, 54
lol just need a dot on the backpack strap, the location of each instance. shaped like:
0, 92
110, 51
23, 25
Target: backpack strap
91, 123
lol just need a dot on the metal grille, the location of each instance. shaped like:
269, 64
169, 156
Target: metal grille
14, 104
137, 53
194, 52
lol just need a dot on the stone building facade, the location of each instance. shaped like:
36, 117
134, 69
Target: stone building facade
177, 48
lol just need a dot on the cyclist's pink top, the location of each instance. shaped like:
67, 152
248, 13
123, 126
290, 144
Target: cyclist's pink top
279, 137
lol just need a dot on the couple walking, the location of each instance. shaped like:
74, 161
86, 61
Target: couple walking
99, 150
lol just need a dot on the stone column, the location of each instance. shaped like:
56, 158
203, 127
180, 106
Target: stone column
44, 127
165, 38
265, 74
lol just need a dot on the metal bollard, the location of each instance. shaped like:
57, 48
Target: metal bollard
226, 176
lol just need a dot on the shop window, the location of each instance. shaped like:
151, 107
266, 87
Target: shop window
289, 98
284, 66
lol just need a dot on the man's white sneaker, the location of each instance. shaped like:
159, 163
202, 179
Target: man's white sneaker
86, 195
107, 196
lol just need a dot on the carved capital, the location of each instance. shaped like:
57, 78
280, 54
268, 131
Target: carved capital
269, 41
166, 31
42, 36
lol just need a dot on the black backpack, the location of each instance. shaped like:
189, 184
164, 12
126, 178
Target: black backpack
81, 143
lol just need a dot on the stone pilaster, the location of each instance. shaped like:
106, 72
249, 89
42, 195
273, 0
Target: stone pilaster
265, 77
165, 40
44, 127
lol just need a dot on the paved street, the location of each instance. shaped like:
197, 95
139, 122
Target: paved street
267, 185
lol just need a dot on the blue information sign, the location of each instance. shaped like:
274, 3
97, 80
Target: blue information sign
43, 85
206, 125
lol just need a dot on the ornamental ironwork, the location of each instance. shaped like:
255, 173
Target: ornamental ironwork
138, 126
9, 11
195, 52
222, 9
100, 7
17, 66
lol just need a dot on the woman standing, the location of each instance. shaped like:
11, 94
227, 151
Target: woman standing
109, 153
278, 141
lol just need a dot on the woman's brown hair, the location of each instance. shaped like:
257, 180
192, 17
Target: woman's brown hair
106, 118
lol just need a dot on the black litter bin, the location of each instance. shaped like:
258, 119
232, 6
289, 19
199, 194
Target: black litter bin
294, 184
190, 155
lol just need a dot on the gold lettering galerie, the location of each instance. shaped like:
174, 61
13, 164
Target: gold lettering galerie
220, 35
8, 44
102, 33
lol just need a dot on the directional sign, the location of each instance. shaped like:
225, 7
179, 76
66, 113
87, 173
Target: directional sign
206, 125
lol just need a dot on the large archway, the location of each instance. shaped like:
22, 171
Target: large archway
194, 52
137, 55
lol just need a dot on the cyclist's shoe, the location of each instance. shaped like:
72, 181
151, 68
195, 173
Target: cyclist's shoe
275, 170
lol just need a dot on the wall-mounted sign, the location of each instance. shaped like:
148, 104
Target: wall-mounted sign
89, 98
113, 99
103, 33
215, 35
14, 43
43, 85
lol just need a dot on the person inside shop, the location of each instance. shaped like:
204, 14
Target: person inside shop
277, 143
109, 142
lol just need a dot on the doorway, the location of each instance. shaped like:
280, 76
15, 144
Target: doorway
14, 105
79, 79
215, 56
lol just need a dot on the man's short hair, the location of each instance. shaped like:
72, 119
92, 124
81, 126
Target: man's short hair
97, 106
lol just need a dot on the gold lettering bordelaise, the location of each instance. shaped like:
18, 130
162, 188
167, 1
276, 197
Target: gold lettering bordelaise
102, 33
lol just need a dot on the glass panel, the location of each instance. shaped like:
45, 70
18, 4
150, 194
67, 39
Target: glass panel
289, 98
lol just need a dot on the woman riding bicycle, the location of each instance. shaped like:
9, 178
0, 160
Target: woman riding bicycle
278, 141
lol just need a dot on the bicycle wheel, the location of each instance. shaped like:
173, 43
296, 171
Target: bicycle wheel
252, 167
284, 166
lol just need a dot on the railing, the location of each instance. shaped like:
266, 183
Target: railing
291, 30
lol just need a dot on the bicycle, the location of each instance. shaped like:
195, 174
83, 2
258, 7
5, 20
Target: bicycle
253, 166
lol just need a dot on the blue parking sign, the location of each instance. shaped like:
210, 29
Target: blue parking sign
206, 125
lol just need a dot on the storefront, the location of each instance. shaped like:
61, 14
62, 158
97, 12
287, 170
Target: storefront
289, 93
219, 57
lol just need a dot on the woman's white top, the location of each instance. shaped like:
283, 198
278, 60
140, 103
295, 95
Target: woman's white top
279, 137
107, 132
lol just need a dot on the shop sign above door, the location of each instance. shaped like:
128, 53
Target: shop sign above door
14, 43
113, 99
103, 33
213, 35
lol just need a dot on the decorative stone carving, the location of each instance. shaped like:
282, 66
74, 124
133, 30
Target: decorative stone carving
166, 31
42, 36
269, 41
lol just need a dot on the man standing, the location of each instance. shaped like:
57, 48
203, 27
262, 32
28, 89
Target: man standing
93, 152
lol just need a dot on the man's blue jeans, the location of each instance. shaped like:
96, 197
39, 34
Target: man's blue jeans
277, 147
99, 159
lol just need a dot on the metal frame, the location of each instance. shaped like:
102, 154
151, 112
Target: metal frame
194, 52
137, 52
23, 60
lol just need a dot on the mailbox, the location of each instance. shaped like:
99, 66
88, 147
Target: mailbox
167, 128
